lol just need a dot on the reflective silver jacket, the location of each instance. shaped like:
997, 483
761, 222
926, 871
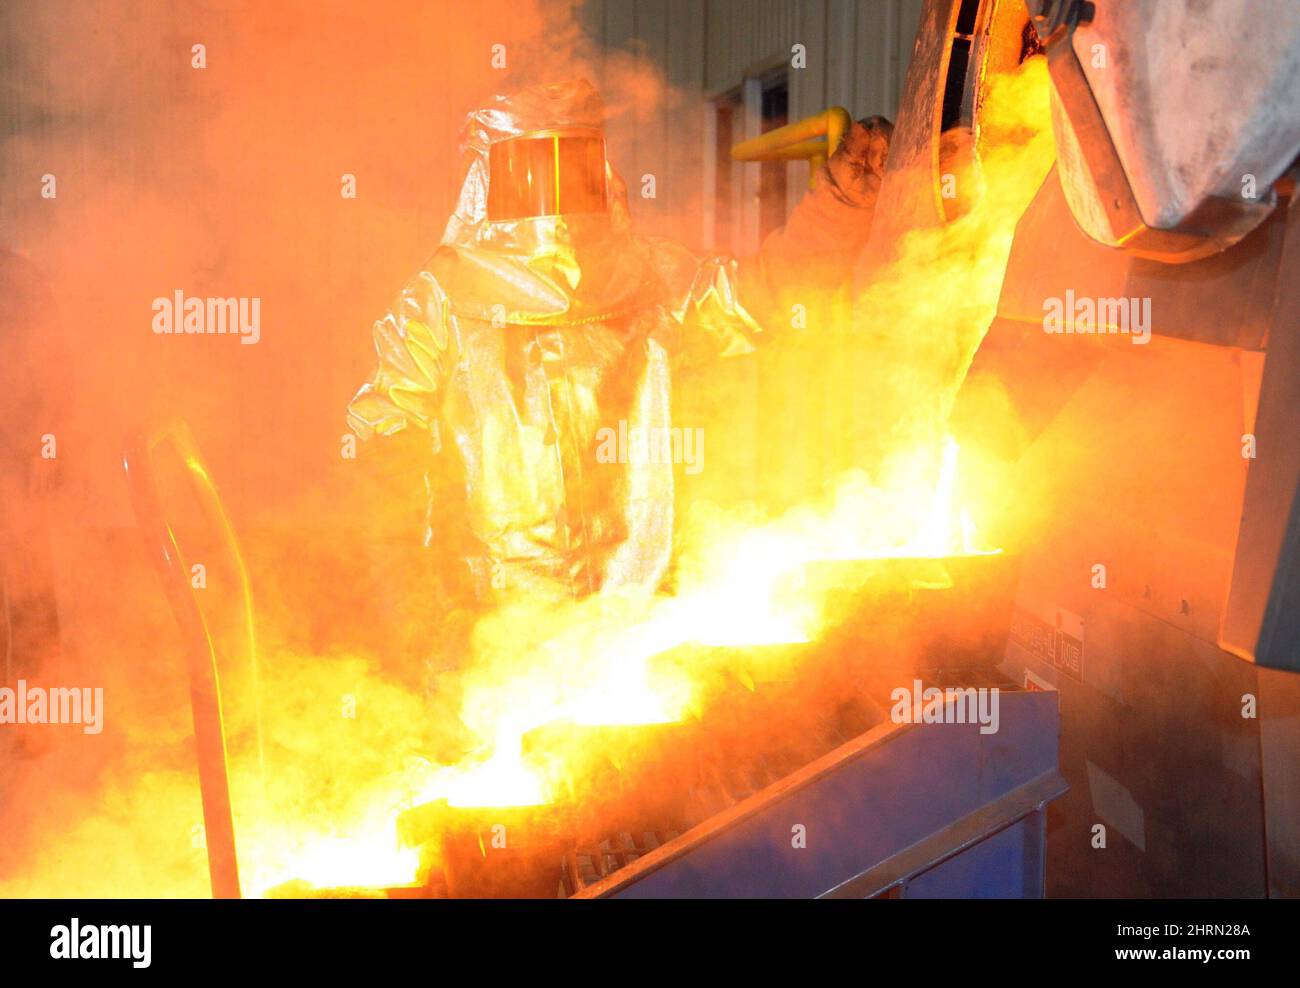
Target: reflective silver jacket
520, 341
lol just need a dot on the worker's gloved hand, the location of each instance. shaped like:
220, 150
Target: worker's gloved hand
810, 259
855, 170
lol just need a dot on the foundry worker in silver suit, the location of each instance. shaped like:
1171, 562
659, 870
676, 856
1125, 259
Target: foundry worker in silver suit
543, 318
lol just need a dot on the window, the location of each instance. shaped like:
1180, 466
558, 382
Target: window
775, 108
729, 124
749, 200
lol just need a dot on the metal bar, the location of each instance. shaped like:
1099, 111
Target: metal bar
732, 815
200, 657
801, 139
834, 120
1038, 847
904, 782
947, 843
803, 151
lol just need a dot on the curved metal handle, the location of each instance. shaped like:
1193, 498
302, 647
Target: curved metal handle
200, 652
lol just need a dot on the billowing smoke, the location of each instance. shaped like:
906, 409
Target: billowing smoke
301, 159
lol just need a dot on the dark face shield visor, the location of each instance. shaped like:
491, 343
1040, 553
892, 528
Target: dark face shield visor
546, 175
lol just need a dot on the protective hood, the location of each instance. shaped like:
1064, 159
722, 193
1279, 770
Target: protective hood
539, 270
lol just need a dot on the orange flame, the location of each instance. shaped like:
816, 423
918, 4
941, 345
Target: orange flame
590, 662
595, 661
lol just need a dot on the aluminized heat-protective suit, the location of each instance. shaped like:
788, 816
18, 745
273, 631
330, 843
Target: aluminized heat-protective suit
542, 319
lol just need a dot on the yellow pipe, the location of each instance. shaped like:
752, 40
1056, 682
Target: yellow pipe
791, 152
801, 139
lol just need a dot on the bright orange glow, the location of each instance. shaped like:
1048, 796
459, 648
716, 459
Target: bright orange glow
345, 749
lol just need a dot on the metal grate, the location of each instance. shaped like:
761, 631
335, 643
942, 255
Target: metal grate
586, 866
720, 785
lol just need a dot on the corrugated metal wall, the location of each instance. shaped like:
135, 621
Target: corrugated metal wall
857, 56
857, 49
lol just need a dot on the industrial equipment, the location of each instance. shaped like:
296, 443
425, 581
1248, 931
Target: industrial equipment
1156, 447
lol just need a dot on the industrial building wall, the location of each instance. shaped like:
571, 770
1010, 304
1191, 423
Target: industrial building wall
857, 53
665, 68
132, 135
